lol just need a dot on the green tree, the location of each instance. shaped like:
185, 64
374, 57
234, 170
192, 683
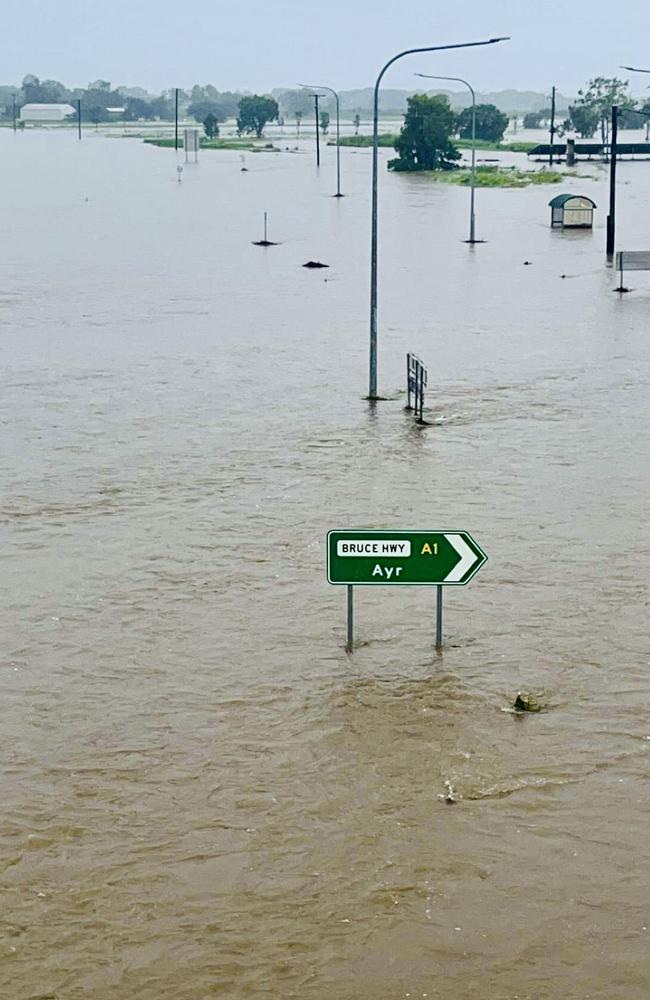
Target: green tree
255, 112
45, 92
582, 119
490, 123
201, 108
292, 101
162, 107
424, 142
630, 118
535, 119
324, 122
211, 126
645, 107
601, 93
136, 108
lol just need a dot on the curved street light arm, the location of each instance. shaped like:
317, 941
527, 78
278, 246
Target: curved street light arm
372, 388
472, 197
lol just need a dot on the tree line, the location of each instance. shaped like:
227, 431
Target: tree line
96, 99
591, 112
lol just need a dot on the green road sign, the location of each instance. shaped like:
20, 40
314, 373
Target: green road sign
406, 558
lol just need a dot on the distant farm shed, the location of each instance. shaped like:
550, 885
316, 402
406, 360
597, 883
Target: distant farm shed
572, 211
45, 112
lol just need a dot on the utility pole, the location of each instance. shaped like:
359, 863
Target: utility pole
176, 120
338, 134
316, 96
611, 218
79, 119
550, 155
14, 110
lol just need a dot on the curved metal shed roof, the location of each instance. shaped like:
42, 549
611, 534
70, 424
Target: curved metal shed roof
561, 199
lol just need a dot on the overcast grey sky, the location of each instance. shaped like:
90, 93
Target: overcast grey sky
259, 44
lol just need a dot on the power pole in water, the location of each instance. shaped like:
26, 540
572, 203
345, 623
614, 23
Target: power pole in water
550, 155
176, 120
611, 218
14, 111
316, 96
79, 119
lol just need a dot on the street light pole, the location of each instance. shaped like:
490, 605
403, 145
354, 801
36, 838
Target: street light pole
316, 97
372, 385
338, 133
611, 218
472, 217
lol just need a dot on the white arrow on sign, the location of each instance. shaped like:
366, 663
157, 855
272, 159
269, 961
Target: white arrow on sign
467, 558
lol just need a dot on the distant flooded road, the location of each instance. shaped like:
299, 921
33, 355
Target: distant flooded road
202, 794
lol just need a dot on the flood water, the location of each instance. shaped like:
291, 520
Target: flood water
202, 794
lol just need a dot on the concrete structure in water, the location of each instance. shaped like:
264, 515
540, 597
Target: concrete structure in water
46, 112
572, 211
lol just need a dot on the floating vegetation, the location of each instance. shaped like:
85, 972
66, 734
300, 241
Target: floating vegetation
497, 177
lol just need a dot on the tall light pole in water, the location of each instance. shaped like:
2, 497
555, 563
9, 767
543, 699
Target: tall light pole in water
472, 181
338, 133
316, 100
372, 388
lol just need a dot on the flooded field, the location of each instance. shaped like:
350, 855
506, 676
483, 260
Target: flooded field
202, 794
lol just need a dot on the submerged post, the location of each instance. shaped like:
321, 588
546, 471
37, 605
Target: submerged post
552, 129
350, 620
438, 617
611, 218
408, 382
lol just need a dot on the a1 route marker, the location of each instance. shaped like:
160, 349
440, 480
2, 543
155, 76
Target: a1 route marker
402, 558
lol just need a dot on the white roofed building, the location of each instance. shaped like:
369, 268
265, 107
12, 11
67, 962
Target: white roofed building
45, 112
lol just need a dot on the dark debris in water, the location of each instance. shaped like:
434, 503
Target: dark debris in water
525, 702
315, 263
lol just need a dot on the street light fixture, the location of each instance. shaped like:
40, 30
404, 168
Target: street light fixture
372, 388
472, 219
338, 133
635, 69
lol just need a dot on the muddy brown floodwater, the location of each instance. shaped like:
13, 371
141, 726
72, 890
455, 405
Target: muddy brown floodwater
202, 795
